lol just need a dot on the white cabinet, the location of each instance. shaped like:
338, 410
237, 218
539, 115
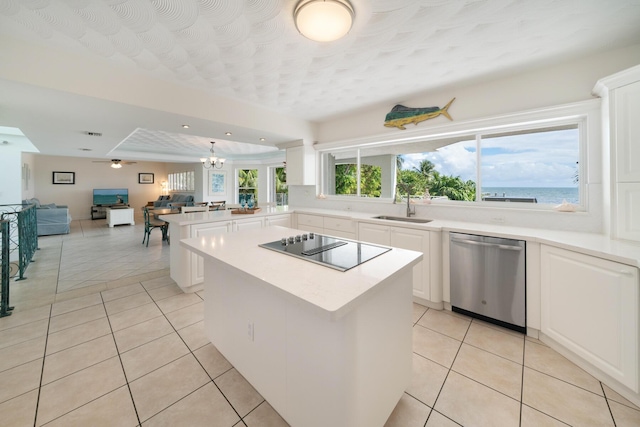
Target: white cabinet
313, 223
373, 233
626, 111
301, 165
281, 220
248, 224
201, 230
330, 225
339, 227
427, 275
590, 306
120, 216
621, 103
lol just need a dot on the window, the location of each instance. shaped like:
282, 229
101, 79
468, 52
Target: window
247, 184
517, 163
181, 181
279, 186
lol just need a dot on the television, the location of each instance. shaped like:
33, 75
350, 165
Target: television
110, 196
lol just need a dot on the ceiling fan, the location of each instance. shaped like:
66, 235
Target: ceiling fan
115, 163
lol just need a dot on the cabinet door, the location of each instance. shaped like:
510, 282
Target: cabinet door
418, 241
372, 233
301, 165
628, 211
248, 224
313, 223
200, 230
627, 132
281, 220
590, 306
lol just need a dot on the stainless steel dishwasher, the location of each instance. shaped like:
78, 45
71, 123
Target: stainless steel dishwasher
488, 279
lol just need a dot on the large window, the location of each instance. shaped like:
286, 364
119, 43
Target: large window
279, 186
520, 164
247, 185
181, 181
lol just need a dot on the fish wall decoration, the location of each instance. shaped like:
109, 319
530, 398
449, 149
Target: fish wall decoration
399, 116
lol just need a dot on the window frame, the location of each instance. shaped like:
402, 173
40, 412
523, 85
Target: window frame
174, 180
585, 115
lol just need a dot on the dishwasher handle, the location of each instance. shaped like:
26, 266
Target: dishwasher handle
495, 245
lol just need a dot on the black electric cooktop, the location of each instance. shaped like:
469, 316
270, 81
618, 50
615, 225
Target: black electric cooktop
324, 250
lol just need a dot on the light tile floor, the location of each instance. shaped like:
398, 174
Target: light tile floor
126, 347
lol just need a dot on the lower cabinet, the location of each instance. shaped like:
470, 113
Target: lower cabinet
220, 227
200, 230
333, 226
281, 220
426, 274
248, 224
590, 306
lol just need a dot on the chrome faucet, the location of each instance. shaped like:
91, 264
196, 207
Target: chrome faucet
407, 188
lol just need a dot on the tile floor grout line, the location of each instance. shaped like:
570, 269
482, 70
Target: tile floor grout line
568, 383
608, 405
433, 408
44, 356
199, 363
548, 415
59, 270
124, 372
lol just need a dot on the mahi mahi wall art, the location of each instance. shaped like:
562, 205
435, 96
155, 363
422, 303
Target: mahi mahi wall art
399, 116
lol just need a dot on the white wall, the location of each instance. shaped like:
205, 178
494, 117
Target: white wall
563, 83
545, 87
10, 191
89, 175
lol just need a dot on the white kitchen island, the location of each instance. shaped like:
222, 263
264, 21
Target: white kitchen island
323, 347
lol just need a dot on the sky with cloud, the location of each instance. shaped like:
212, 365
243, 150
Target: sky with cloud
543, 159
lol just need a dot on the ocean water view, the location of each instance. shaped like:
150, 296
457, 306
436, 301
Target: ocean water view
545, 195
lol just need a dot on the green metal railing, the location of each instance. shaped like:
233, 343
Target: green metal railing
5, 309
23, 234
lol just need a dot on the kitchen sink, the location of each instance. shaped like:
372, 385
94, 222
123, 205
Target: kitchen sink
404, 219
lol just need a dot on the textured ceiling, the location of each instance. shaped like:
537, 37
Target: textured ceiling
250, 50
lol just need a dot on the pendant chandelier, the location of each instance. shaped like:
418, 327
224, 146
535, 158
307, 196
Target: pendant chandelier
212, 161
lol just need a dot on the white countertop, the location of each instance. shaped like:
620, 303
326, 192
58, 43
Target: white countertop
588, 243
223, 215
331, 292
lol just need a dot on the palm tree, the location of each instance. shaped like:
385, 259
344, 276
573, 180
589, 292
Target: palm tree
426, 168
454, 188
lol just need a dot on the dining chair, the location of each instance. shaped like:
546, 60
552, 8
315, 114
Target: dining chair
150, 224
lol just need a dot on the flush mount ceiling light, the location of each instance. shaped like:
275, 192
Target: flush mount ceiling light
323, 20
212, 161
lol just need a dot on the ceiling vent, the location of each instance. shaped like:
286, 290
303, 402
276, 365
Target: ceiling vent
93, 133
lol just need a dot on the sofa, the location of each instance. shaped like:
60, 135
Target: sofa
174, 200
51, 218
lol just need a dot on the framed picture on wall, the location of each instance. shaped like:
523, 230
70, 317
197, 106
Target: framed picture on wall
217, 183
145, 178
64, 177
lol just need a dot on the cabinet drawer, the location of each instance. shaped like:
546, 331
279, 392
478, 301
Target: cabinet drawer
310, 220
339, 224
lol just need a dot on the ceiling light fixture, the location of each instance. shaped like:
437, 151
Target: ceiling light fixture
228, 133
323, 20
116, 163
185, 126
212, 161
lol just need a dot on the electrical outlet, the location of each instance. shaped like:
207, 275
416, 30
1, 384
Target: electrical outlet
250, 330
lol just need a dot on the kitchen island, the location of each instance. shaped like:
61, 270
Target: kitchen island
323, 347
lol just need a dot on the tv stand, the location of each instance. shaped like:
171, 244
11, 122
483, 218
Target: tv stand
100, 211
